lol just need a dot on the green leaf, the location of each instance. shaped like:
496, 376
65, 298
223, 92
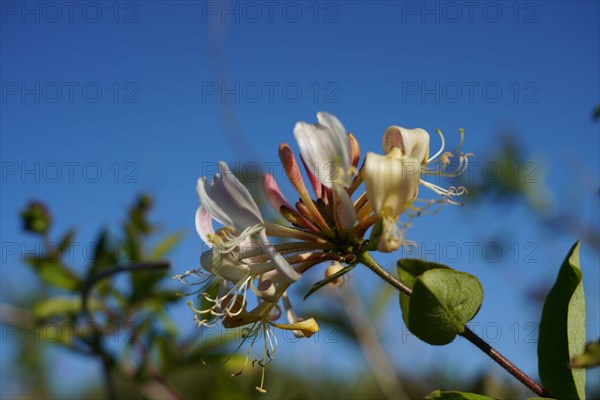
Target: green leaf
67, 240
166, 296
61, 306
55, 333
166, 245
144, 282
138, 224
562, 331
170, 327
376, 233
589, 358
104, 254
442, 302
54, 273
453, 395
54, 306
408, 271
165, 352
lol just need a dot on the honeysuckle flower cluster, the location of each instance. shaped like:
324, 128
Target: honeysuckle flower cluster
256, 260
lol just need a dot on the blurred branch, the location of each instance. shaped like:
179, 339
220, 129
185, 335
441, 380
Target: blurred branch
146, 266
96, 344
160, 389
12, 314
362, 325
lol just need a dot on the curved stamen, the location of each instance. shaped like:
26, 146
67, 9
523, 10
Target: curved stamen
439, 132
448, 193
441, 166
460, 143
201, 278
220, 311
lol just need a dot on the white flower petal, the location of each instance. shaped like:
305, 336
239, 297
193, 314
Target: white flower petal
230, 269
413, 143
238, 191
338, 136
280, 262
326, 149
209, 204
392, 183
344, 208
228, 201
223, 265
204, 225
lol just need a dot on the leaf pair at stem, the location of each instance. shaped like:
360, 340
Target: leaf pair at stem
437, 302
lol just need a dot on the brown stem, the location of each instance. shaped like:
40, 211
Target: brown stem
505, 363
366, 259
107, 364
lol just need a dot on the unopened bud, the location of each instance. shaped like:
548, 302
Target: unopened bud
36, 218
354, 150
145, 202
331, 271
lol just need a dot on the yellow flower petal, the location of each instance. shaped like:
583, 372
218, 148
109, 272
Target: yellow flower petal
308, 327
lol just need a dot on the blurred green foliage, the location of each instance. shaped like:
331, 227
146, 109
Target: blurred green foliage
589, 358
510, 176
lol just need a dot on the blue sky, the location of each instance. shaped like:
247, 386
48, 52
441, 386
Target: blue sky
101, 101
